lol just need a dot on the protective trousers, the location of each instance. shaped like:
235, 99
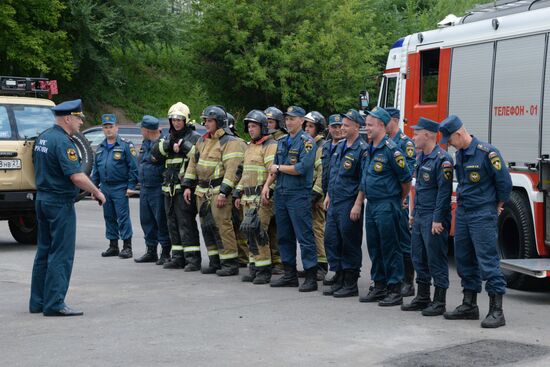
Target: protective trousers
429, 251
476, 250
227, 247
343, 237
242, 243
152, 216
260, 251
382, 226
182, 224
294, 222
53, 262
116, 212
318, 220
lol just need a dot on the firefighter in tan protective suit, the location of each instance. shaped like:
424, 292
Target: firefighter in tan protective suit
212, 173
315, 125
258, 158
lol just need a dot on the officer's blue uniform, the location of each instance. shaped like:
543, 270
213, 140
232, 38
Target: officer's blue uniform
343, 237
115, 170
327, 151
432, 203
384, 170
151, 199
483, 182
292, 197
55, 160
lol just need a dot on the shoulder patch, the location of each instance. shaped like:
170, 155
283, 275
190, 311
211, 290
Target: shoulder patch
133, 150
397, 153
495, 160
308, 145
71, 154
447, 170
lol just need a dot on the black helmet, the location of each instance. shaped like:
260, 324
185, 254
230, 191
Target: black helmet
217, 113
257, 117
276, 114
318, 120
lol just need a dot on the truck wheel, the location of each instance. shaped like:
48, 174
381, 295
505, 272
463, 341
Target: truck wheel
516, 240
86, 154
23, 229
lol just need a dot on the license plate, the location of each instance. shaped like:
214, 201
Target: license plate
10, 164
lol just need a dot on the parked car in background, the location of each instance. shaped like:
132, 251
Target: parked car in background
130, 132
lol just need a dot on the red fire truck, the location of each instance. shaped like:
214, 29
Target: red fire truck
492, 69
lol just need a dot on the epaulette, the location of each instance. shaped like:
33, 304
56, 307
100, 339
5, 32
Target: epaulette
484, 147
403, 136
391, 144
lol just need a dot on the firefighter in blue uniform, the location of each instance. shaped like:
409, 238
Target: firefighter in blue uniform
431, 220
484, 185
344, 205
115, 171
386, 184
334, 135
406, 145
151, 198
293, 169
58, 174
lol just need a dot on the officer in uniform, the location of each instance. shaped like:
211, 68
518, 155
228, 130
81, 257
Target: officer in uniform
431, 220
335, 135
258, 157
406, 145
151, 199
277, 129
213, 174
174, 151
115, 171
484, 185
293, 168
386, 184
344, 205
58, 174
315, 125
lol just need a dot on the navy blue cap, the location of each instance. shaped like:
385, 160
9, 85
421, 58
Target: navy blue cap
395, 113
108, 118
380, 114
354, 116
296, 111
426, 124
335, 119
448, 127
150, 122
73, 107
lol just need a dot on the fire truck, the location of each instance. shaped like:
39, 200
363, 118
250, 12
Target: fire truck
491, 68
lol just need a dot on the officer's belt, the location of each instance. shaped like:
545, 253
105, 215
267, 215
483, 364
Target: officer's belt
252, 190
212, 183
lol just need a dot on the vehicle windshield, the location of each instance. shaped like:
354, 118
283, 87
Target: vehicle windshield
32, 120
5, 128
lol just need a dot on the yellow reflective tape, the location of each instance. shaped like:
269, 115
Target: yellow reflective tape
190, 176
177, 247
318, 163
321, 259
228, 182
231, 255
174, 160
251, 259
205, 163
318, 189
269, 158
191, 248
232, 155
212, 252
161, 147
263, 263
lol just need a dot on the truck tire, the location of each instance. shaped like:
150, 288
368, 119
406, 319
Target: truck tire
516, 240
86, 154
23, 229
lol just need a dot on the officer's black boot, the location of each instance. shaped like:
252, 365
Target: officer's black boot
164, 255
322, 270
126, 252
376, 293
193, 261
149, 257
394, 297
421, 301
329, 281
495, 317
229, 267
213, 266
277, 269
310, 283
407, 288
112, 250
251, 274
336, 285
437, 307
350, 285
177, 261
263, 275
468, 310
289, 279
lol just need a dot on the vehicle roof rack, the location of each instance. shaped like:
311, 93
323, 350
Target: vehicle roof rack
501, 8
38, 87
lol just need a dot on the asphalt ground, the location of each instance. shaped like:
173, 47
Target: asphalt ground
143, 315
